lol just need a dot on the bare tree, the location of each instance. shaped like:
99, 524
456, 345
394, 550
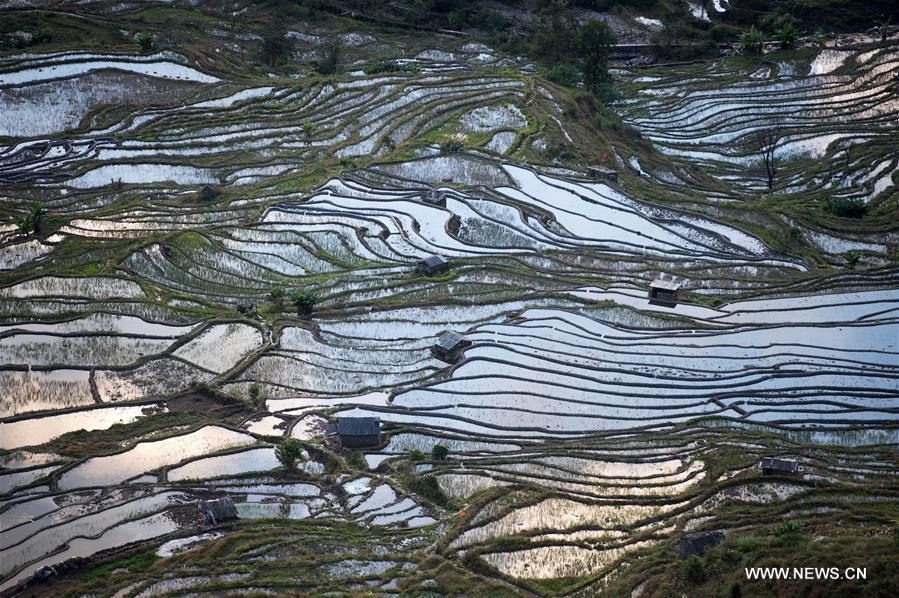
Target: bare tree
766, 139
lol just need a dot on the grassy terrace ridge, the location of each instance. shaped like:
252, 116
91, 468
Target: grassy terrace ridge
210, 219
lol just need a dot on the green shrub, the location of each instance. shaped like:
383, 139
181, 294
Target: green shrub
254, 391
288, 452
246, 309
329, 64
208, 193
416, 455
354, 459
752, 41
276, 45
694, 570
439, 452
33, 220
454, 143
787, 35
852, 257
682, 39
787, 527
41, 35
845, 207
428, 487
146, 41
748, 543
304, 300
390, 66
564, 74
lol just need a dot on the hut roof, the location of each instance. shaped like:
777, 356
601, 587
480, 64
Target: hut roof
358, 426
449, 340
664, 283
432, 261
699, 542
788, 465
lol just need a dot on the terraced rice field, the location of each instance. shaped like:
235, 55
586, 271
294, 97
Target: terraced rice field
587, 428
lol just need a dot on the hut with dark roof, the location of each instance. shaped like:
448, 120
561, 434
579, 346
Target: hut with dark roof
697, 543
359, 432
664, 291
449, 345
433, 264
775, 466
598, 172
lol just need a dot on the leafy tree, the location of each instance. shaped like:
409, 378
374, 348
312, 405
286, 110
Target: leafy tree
682, 37
852, 258
146, 41
416, 455
304, 300
208, 193
328, 65
787, 35
752, 41
276, 45
564, 74
288, 452
255, 398
594, 41
551, 41
439, 452
308, 128
33, 220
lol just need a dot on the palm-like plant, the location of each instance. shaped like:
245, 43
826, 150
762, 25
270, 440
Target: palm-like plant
787, 35
33, 220
752, 41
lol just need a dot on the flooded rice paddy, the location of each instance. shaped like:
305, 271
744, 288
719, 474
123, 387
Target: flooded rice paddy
145, 364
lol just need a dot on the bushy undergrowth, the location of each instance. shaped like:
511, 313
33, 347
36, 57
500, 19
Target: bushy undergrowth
845, 207
390, 66
428, 487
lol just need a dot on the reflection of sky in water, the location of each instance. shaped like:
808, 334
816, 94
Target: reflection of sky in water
113, 469
262, 459
26, 432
